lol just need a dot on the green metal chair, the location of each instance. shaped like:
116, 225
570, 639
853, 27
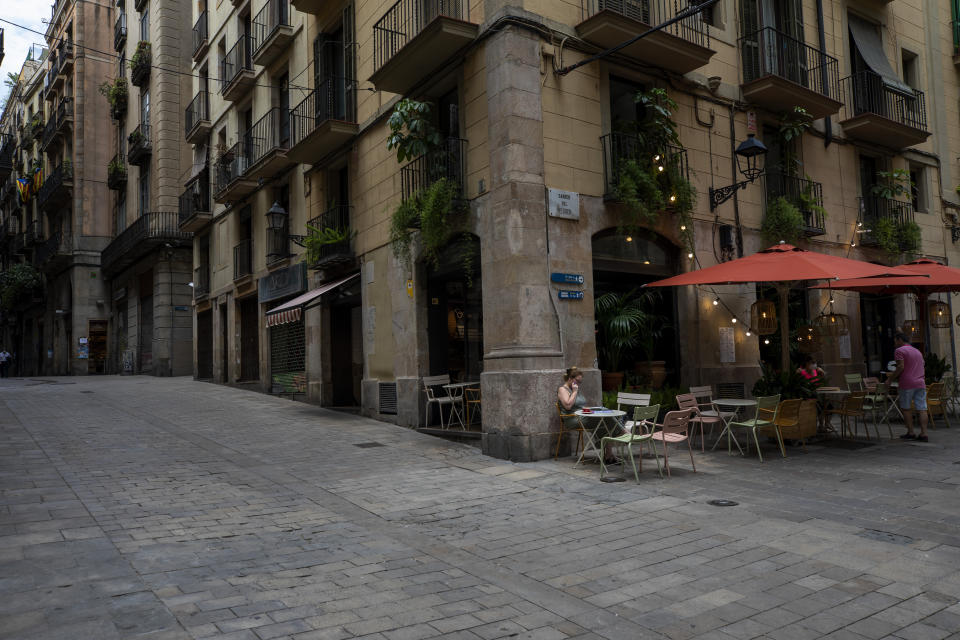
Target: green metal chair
764, 420
643, 421
854, 381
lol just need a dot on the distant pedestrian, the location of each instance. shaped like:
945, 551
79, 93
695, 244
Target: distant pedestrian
909, 376
5, 358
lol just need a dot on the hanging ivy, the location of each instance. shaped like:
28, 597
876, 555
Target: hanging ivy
17, 284
783, 221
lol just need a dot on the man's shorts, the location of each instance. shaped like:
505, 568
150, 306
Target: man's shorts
917, 396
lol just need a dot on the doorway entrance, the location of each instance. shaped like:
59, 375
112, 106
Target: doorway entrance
346, 346
879, 324
249, 339
455, 314
205, 345
97, 337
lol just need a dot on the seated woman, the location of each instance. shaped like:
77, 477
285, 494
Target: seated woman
570, 400
811, 372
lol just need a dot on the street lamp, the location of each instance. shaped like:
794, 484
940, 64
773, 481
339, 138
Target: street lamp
748, 160
278, 223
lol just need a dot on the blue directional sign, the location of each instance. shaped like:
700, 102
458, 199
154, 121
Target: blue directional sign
566, 278
570, 295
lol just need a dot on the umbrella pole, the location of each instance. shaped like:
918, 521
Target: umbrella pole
784, 328
925, 317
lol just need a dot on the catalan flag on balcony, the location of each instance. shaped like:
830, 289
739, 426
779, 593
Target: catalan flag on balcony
37, 180
24, 186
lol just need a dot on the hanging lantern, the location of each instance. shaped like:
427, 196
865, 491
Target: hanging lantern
808, 339
763, 317
939, 314
832, 324
913, 329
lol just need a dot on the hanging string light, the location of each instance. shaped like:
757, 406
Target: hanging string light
763, 317
939, 314
832, 324
808, 339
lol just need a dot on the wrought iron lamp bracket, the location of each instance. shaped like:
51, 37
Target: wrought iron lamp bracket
298, 240
721, 195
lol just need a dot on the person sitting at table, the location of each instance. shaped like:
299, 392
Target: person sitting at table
571, 400
811, 372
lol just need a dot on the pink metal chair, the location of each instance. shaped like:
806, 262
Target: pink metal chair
701, 418
675, 429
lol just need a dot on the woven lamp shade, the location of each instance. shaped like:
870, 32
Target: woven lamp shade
939, 314
763, 317
833, 324
808, 339
913, 330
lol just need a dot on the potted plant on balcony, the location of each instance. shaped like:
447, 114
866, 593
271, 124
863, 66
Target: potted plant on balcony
135, 138
140, 63
909, 237
892, 184
116, 93
116, 173
318, 238
17, 284
782, 221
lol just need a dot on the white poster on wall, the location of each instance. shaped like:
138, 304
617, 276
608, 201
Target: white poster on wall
728, 349
843, 347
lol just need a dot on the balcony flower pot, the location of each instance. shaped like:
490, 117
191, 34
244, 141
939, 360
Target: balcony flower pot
116, 93
140, 64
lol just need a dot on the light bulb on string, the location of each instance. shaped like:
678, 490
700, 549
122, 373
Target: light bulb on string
766, 341
748, 333
629, 238
690, 255
716, 301
660, 168
853, 244
673, 199
733, 320
656, 158
683, 227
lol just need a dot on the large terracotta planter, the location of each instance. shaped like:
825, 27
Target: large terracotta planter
655, 371
611, 381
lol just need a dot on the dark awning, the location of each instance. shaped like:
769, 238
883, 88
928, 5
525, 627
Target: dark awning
291, 310
866, 37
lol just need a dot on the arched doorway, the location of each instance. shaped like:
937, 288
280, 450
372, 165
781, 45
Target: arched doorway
455, 312
623, 263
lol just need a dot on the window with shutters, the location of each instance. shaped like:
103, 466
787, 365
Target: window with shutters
334, 70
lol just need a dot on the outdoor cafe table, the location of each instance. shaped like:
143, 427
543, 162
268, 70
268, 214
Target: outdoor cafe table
606, 419
736, 404
455, 390
827, 393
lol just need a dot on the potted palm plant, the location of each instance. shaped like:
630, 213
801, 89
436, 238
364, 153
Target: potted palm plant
620, 318
651, 332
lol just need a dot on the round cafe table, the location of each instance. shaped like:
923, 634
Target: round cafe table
605, 419
827, 394
736, 404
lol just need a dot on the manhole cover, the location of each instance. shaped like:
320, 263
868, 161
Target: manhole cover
885, 536
723, 503
368, 445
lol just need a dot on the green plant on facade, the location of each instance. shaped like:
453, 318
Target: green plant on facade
141, 56
116, 168
808, 199
891, 184
909, 237
792, 127
412, 133
783, 221
626, 321
432, 211
115, 92
67, 165
135, 138
17, 284
884, 232
657, 130
934, 368
318, 238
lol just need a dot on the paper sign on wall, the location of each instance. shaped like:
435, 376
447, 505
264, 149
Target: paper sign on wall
728, 350
843, 346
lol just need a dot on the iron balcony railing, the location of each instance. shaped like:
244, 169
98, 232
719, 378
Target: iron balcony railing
18, 243
55, 245
196, 198
117, 173
806, 195
243, 259
139, 143
151, 226
334, 99
56, 180
337, 218
406, 19
65, 51
64, 109
140, 64
120, 31
6, 154
34, 233
275, 14
653, 12
235, 62
866, 92
619, 148
771, 52
201, 280
200, 32
49, 131
232, 164
874, 208
269, 133
449, 161
197, 111
51, 72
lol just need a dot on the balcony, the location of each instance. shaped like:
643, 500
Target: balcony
65, 58
120, 32
201, 281
269, 139
272, 32
681, 47
34, 233
875, 112
450, 162
138, 5
308, 6
55, 77
8, 190
201, 36
150, 231
57, 190
874, 208
231, 179
196, 118
54, 254
6, 156
195, 209
243, 260
64, 114
414, 38
325, 120
804, 194
117, 173
780, 73
335, 253
35, 128
236, 71
140, 146
10, 228
49, 133
619, 148
140, 64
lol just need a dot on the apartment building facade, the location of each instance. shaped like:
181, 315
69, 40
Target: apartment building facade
351, 323
148, 261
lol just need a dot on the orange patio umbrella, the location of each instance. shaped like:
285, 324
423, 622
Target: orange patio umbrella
783, 264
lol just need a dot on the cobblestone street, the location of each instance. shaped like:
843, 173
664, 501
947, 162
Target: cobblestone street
163, 509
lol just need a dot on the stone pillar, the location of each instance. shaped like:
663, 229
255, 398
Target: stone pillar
523, 358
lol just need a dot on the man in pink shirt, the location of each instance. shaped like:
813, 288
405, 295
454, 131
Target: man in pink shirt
913, 387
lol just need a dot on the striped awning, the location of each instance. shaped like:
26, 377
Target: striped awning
291, 310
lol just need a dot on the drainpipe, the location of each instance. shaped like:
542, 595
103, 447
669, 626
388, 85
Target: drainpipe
824, 74
733, 172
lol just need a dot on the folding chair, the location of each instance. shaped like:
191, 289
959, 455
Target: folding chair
764, 420
854, 381
627, 401
852, 407
643, 421
429, 383
675, 429
893, 407
936, 406
708, 411
563, 429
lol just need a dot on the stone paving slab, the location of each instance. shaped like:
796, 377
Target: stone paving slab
135, 507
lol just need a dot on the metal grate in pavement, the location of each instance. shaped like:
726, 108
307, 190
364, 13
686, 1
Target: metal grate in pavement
885, 536
368, 445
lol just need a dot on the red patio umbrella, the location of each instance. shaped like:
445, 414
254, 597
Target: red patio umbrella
784, 264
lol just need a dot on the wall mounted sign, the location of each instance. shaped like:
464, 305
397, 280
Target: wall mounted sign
563, 204
570, 295
282, 283
566, 278
728, 351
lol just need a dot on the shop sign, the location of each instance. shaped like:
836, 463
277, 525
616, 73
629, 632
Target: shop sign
570, 295
282, 283
563, 204
566, 278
